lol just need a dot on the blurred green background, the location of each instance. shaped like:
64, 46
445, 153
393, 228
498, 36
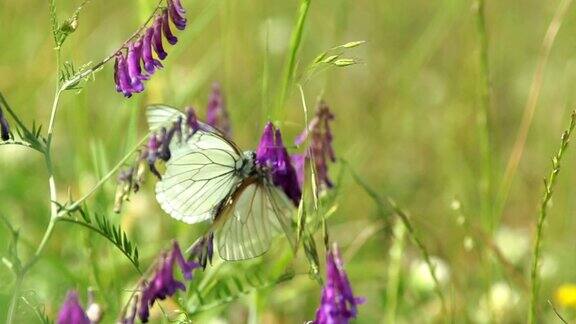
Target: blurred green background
405, 122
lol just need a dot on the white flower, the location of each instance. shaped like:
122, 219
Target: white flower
497, 303
421, 278
513, 243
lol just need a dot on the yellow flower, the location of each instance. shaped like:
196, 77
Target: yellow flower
566, 295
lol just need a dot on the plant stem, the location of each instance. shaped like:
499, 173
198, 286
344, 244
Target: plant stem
395, 255
548, 191
104, 178
14, 299
53, 116
423, 251
531, 103
98, 65
409, 228
295, 42
482, 118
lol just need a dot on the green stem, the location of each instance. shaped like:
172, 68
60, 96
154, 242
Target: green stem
104, 178
409, 228
11, 112
531, 103
14, 299
394, 272
295, 42
482, 118
423, 251
548, 191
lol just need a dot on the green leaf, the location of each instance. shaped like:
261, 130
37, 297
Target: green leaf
103, 227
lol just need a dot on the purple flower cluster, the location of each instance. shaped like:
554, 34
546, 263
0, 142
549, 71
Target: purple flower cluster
128, 73
272, 156
71, 311
338, 304
320, 150
216, 113
162, 284
4, 127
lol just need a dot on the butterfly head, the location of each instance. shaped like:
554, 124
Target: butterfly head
248, 167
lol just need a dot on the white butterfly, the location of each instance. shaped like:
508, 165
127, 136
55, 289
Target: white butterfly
209, 178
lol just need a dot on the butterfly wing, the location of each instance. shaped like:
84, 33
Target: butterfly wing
254, 215
201, 172
159, 116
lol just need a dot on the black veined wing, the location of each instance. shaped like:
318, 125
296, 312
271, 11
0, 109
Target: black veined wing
159, 116
253, 215
201, 172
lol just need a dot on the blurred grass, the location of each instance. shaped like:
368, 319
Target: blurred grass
405, 121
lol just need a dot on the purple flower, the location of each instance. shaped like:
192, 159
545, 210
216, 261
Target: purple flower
134, 69
320, 149
273, 157
163, 284
338, 304
192, 124
150, 63
157, 38
216, 114
128, 69
203, 249
299, 163
71, 311
177, 14
167, 138
166, 28
121, 76
4, 127
153, 148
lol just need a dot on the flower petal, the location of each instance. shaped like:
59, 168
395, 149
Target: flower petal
150, 63
157, 39
71, 311
177, 15
166, 29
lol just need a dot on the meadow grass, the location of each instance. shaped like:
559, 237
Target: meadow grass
451, 108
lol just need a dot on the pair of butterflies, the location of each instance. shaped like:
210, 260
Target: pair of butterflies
209, 178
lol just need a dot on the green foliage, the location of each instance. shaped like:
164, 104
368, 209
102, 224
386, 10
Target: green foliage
331, 58
226, 283
102, 226
71, 77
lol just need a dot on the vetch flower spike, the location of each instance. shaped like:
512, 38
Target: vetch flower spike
216, 114
71, 311
163, 284
128, 74
320, 149
272, 156
338, 304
